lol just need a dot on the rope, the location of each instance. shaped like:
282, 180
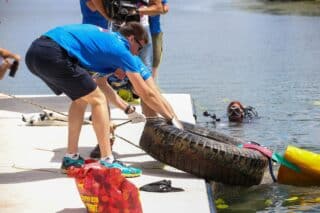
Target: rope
264, 151
60, 113
271, 170
34, 104
129, 142
86, 121
206, 112
123, 123
47, 150
41, 106
30, 169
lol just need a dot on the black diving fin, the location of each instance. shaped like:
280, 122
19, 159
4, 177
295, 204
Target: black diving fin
160, 186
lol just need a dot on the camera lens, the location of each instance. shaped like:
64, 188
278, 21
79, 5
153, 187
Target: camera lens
14, 68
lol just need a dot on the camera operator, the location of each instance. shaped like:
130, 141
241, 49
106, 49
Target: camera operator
8, 60
154, 7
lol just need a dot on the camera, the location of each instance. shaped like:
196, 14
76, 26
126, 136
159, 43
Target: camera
122, 10
14, 68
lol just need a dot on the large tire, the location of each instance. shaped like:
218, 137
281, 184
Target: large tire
204, 153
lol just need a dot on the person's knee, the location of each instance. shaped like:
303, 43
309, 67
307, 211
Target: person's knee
80, 103
96, 98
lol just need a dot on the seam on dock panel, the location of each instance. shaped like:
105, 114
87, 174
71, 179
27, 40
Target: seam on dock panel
210, 198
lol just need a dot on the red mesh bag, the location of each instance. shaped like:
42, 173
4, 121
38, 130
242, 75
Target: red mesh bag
105, 190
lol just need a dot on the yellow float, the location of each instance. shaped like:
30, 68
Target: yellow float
308, 164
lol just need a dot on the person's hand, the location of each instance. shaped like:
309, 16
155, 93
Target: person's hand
112, 127
4, 67
136, 117
176, 123
6, 64
16, 57
165, 8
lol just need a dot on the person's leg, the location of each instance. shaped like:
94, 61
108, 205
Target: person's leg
75, 121
95, 153
157, 53
146, 56
100, 120
147, 111
146, 52
53, 65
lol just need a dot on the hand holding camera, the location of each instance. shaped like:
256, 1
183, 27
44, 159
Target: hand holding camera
122, 10
10, 61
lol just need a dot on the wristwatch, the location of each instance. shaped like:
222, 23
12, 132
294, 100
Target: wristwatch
129, 109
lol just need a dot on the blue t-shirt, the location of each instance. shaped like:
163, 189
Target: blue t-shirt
97, 49
89, 17
154, 22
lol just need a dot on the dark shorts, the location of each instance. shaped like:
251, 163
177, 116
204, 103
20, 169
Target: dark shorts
62, 73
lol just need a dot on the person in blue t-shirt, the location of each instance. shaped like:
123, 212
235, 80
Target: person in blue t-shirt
91, 16
157, 41
146, 8
63, 57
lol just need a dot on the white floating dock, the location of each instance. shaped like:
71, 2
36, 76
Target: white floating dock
30, 159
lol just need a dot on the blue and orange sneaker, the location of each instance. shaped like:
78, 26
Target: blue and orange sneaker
68, 162
127, 171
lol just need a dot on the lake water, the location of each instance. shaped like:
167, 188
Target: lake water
264, 55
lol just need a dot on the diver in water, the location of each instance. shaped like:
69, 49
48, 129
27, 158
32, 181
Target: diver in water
236, 112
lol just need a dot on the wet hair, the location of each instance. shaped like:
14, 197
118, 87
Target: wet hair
135, 29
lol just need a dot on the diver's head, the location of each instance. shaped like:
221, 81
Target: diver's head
235, 112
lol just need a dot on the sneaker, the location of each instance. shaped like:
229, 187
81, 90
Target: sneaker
126, 171
68, 162
95, 153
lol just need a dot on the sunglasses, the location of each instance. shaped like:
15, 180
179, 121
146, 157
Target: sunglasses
140, 45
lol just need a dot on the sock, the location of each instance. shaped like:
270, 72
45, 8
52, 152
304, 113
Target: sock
73, 156
108, 159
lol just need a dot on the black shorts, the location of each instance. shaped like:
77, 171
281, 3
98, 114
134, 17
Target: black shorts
62, 73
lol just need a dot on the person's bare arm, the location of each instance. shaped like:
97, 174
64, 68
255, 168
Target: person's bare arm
115, 99
7, 54
110, 94
149, 96
151, 83
91, 6
98, 4
154, 7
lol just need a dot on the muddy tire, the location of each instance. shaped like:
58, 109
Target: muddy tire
204, 153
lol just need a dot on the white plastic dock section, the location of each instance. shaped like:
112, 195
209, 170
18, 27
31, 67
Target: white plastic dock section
30, 161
